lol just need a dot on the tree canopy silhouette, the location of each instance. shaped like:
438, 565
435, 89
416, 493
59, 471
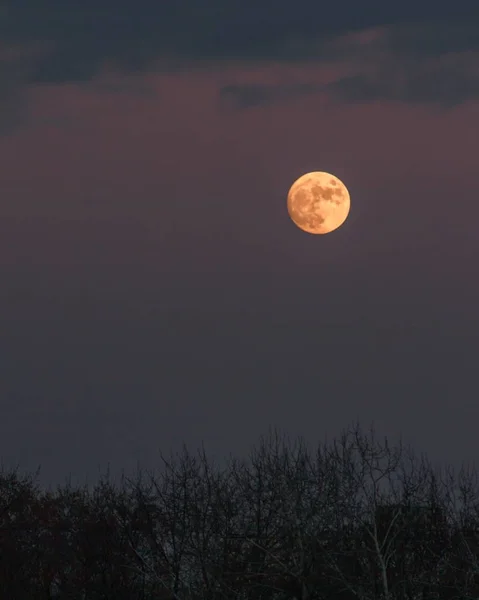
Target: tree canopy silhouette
356, 519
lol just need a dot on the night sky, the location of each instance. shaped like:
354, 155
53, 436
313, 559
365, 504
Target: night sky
154, 290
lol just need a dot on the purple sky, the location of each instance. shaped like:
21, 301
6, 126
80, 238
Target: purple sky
154, 290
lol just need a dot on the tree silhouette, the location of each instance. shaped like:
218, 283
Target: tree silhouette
356, 519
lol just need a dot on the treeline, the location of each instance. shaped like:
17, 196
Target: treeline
354, 520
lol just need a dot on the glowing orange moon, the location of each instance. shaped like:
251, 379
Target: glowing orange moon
318, 202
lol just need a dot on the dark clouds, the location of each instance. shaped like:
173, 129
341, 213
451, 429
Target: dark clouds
16, 65
250, 95
11, 99
74, 40
85, 33
434, 64
444, 86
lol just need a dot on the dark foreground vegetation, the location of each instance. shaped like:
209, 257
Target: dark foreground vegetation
354, 520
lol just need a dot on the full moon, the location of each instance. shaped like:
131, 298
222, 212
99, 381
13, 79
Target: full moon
318, 202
